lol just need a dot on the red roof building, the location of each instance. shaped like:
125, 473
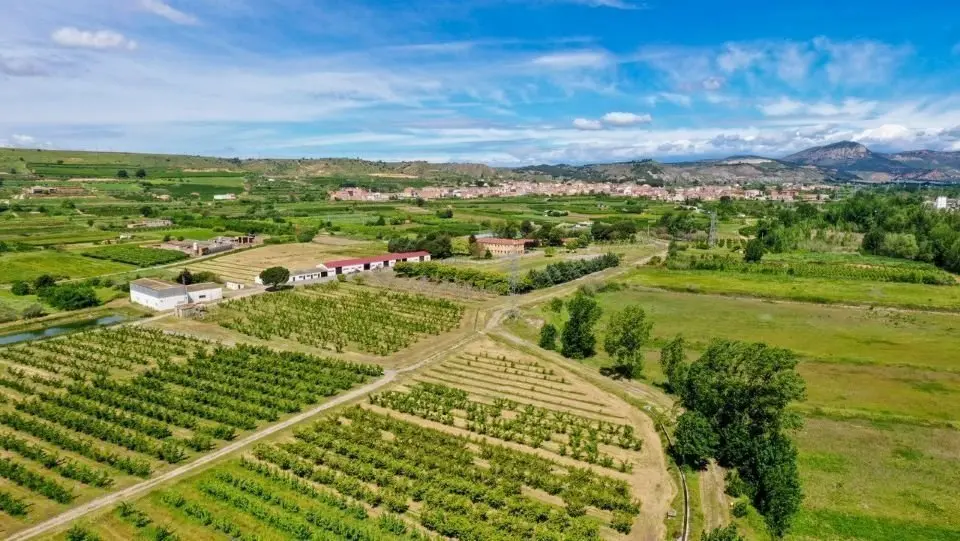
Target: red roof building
501, 247
347, 266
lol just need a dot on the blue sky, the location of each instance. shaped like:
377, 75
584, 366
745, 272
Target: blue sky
506, 82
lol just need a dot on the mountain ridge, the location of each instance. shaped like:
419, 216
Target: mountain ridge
844, 161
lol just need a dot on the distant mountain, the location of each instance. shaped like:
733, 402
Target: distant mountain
856, 159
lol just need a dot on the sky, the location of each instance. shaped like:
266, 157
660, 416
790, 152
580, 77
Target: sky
504, 82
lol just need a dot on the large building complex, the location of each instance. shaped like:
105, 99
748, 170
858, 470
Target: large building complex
161, 295
503, 247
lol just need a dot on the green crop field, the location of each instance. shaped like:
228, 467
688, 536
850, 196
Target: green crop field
29, 265
136, 255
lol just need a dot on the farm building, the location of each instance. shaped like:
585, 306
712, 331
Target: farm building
503, 247
206, 247
328, 271
162, 295
225, 197
350, 266
147, 224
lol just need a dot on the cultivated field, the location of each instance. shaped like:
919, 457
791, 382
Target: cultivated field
340, 316
97, 411
432, 461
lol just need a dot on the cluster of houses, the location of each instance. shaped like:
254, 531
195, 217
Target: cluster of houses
786, 192
150, 224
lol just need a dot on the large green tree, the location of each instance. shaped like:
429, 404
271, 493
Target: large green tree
694, 441
627, 332
577, 340
275, 276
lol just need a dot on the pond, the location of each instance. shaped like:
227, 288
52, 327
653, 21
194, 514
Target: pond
58, 330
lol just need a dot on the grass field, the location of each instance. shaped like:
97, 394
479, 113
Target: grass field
827, 291
882, 436
29, 265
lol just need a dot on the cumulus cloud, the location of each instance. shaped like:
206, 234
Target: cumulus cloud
69, 36
573, 60
587, 124
162, 9
737, 57
626, 119
794, 62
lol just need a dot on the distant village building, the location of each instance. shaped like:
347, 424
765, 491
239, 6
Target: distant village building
162, 295
53, 191
225, 197
503, 247
940, 203
147, 224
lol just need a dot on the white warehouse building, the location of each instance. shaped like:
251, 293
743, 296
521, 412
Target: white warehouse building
161, 295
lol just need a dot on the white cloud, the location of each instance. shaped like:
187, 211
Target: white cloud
22, 140
626, 119
794, 62
573, 60
862, 62
738, 57
69, 36
23, 66
886, 133
682, 100
712, 83
162, 9
587, 124
616, 4
850, 107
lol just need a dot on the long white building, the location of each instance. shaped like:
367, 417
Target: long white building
161, 295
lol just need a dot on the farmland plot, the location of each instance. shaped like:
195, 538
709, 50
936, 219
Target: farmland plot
335, 316
99, 409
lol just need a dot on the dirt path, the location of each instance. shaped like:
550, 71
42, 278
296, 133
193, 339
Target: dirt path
713, 500
129, 492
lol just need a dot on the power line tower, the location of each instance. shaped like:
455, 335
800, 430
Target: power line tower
712, 239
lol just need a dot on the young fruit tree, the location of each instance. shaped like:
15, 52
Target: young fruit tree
548, 336
275, 276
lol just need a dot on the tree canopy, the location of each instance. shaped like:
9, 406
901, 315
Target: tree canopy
275, 276
577, 339
627, 332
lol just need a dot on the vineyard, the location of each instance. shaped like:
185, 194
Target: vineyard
94, 410
136, 255
336, 316
838, 270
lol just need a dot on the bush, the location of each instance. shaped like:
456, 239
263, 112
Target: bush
69, 296
740, 508
548, 336
33, 311
20, 288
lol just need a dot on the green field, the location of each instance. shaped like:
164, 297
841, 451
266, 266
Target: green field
817, 290
880, 447
29, 265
